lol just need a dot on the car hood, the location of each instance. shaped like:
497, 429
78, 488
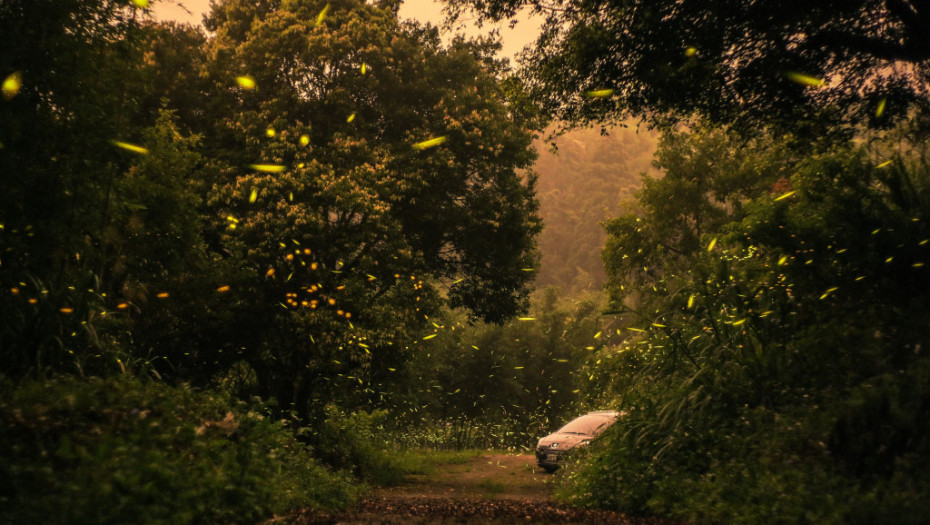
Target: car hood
565, 441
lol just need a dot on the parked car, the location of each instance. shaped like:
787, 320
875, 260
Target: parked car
579, 432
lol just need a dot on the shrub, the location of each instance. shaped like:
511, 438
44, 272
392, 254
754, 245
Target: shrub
123, 450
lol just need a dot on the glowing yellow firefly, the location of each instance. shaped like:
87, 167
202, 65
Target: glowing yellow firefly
784, 196
246, 82
429, 143
804, 80
253, 196
322, 15
304, 140
880, 110
268, 168
364, 68
599, 93
351, 117
713, 242
223, 289
131, 147
12, 84
141, 4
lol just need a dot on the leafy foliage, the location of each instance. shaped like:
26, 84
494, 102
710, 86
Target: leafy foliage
469, 386
753, 363
121, 449
801, 66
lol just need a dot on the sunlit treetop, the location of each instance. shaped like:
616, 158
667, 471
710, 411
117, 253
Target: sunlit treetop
790, 63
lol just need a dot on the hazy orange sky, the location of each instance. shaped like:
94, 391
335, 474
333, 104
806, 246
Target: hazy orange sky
513, 40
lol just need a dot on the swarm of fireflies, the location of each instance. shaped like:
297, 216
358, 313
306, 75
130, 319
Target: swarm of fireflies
268, 168
246, 82
11, 85
804, 80
131, 147
429, 143
599, 93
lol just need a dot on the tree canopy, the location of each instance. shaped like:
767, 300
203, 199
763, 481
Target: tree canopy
740, 62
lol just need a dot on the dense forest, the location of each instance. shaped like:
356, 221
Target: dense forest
584, 177
243, 267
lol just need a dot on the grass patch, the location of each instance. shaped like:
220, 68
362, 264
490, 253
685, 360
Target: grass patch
491, 487
426, 461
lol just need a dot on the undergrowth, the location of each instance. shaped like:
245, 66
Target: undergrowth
125, 450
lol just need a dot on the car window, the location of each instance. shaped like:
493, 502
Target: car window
588, 425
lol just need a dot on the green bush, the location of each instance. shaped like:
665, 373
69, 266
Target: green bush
123, 450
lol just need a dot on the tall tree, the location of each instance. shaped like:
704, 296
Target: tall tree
361, 174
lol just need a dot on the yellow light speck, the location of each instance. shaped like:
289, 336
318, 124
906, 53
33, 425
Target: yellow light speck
12, 85
245, 82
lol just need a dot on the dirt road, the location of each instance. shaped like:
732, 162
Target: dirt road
489, 489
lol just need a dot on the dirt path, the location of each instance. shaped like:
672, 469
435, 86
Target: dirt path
497, 476
490, 489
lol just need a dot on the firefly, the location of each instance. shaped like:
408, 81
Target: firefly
246, 82
429, 143
880, 110
11, 85
268, 168
599, 93
322, 15
804, 80
131, 147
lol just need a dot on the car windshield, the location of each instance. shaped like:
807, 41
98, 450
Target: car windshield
589, 425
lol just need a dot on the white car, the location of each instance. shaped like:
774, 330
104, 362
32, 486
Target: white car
579, 432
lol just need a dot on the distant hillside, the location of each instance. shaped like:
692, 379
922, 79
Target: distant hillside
580, 185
